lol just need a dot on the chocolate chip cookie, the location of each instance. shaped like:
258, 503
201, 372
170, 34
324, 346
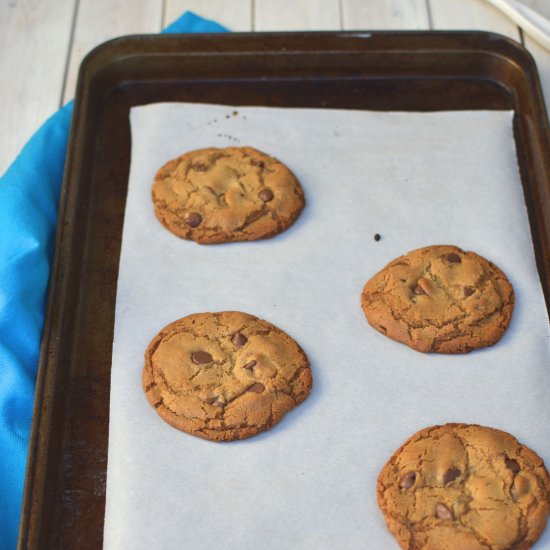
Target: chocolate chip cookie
440, 299
224, 376
464, 487
224, 195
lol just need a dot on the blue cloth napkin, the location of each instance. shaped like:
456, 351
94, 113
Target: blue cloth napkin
29, 193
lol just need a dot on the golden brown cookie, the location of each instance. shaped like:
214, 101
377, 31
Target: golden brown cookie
464, 487
224, 195
224, 376
440, 299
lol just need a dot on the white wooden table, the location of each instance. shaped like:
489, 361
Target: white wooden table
43, 41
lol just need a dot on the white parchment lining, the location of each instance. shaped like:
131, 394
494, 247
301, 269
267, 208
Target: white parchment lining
416, 179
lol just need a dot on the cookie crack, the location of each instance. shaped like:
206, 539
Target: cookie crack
444, 289
251, 218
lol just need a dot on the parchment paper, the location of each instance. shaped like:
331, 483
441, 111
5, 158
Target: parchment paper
416, 179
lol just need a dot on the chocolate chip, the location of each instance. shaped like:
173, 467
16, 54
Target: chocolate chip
257, 388
520, 487
193, 219
377, 237
250, 365
201, 357
239, 339
266, 195
450, 475
217, 402
199, 167
442, 512
423, 286
259, 163
468, 290
453, 258
512, 465
407, 481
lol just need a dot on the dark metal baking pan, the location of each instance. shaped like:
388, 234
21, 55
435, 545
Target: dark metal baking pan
64, 499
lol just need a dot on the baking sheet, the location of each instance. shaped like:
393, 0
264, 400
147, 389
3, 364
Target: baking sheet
416, 179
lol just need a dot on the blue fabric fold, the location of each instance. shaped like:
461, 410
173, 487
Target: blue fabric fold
29, 194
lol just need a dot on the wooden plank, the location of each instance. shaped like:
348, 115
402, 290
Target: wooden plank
470, 15
101, 20
296, 15
542, 57
542, 6
236, 15
34, 41
385, 14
